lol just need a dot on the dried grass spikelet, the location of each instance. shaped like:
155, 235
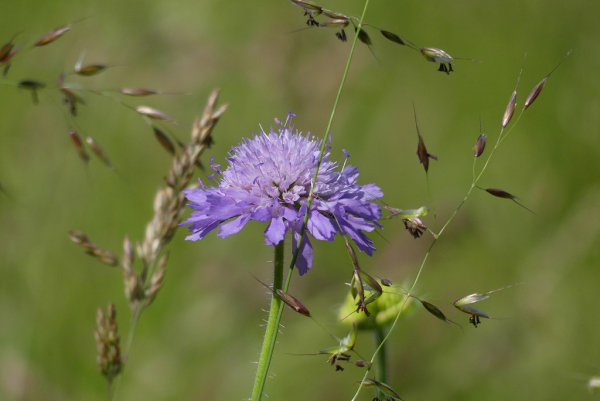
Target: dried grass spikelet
102, 255
480, 143
52, 36
382, 388
71, 99
76, 140
499, 193
421, 149
155, 114
512, 102
164, 140
462, 304
340, 351
139, 92
109, 358
98, 151
170, 200
535, 92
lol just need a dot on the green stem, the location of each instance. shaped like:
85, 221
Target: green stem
382, 360
276, 304
134, 321
272, 325
436, 237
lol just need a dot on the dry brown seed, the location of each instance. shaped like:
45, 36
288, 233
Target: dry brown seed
535, 92
139, 92
164, 140
79, 146
155, 114
293, 303
98, 151
393, 37
90, 70
52, 36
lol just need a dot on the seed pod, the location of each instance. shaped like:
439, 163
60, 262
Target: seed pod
535, 92
393, 37
79, 146
164, 140
52, 36
480, 145
293, 303
98, 151
139, 92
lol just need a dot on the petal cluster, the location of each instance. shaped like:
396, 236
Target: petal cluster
268, 179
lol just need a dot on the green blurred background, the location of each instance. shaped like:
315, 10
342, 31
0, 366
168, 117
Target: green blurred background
199, 340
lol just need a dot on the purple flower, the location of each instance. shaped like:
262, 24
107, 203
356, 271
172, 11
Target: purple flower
269, 178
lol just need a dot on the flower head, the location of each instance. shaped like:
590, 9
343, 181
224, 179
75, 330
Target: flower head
269, 179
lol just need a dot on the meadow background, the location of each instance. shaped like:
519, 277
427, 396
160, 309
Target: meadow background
199, 338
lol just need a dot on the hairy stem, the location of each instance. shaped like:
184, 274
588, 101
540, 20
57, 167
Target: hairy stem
272, 325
